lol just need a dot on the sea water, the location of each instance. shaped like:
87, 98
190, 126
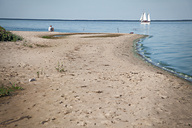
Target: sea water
168, 46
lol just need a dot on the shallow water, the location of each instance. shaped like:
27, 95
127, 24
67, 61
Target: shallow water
168, 46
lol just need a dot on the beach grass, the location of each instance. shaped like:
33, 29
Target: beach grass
47, 37
60, 67
56, 36
103, 36
6, 91
60, 36
8, 36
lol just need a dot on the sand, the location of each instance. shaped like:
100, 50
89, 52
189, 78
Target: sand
102, 84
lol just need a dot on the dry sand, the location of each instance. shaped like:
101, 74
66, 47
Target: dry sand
104, 85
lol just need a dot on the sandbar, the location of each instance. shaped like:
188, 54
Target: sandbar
92, 80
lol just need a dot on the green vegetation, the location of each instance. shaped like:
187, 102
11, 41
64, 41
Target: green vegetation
8, 36
102, 36
38, 74
60, 67
57, 36
60, 36
6, 91
47, 37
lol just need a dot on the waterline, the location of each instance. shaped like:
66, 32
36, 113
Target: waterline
141, 50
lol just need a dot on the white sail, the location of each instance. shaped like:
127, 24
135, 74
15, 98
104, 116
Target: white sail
149, 19
141, 19
144, 17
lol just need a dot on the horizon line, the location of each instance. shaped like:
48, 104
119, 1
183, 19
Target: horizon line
45, 19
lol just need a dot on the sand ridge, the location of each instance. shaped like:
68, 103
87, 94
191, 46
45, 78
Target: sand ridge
103, 85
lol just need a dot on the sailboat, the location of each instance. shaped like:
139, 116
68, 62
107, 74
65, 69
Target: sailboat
145, 18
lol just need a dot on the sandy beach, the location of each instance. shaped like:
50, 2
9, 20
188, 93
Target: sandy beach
101, 83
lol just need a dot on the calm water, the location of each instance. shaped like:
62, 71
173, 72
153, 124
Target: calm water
168, 46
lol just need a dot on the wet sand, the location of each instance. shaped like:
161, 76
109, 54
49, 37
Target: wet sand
102, 83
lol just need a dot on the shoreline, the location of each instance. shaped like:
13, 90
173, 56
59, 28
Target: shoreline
103, 84
179, 75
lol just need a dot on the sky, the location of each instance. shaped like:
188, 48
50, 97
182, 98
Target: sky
96, 9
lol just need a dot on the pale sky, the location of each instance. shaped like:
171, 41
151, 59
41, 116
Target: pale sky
96, 9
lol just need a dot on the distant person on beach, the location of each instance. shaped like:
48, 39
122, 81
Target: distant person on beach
50, 29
